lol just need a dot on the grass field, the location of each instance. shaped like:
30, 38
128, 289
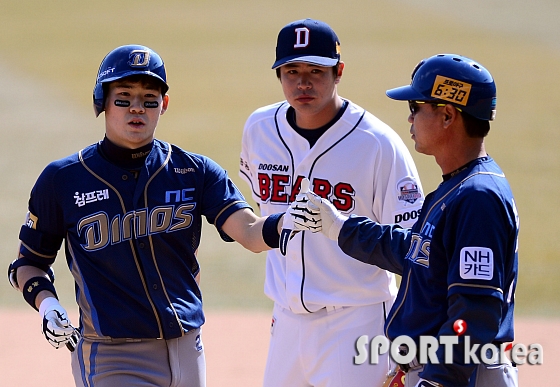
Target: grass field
218, 56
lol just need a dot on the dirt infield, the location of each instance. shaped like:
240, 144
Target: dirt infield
235, 344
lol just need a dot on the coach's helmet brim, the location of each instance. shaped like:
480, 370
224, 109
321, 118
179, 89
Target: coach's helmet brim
405, 93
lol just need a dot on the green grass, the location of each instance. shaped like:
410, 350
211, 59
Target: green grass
218, 57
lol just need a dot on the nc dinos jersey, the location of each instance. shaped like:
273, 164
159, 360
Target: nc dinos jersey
362, 166
465, 242
130, 243
459, 261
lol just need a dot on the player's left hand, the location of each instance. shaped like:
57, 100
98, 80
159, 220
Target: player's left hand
56, 326
427, 383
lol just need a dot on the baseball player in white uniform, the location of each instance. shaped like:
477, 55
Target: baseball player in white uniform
321, 305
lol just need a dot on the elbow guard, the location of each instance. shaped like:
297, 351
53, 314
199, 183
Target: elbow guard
12, 270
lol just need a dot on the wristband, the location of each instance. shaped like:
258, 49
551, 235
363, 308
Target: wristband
48, 303
34, 286
270, 230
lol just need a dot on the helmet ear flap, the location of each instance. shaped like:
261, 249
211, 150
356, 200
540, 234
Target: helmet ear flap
98, 99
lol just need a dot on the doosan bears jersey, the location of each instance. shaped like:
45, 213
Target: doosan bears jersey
130, 243
362, 166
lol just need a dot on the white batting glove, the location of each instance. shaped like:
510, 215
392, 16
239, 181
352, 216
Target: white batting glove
304, 215
427, 383
289, 225
328, 220
56, 326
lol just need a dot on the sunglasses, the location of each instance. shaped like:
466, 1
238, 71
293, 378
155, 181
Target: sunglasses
414, 106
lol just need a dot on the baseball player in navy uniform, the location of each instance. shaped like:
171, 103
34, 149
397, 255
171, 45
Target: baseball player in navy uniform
459, 260
129, 210
323, 299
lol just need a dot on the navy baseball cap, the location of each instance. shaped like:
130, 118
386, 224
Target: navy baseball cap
309, 41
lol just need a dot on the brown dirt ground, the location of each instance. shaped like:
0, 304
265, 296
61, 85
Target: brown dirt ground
235, 342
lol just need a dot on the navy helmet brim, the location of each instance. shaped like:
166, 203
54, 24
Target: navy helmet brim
405, 93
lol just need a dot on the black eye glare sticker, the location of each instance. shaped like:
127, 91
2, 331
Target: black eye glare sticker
147, 104
151, 105
121, 103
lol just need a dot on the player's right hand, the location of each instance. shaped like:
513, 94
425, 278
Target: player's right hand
326, 219
56, 326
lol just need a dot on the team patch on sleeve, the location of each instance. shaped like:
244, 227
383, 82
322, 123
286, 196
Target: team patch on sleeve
407, 190
31, 220
476, 263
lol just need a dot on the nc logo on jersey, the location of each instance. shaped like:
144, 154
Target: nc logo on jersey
180, 195
408, 191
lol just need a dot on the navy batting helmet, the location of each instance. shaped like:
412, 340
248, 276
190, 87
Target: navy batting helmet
125, 61
454, 79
